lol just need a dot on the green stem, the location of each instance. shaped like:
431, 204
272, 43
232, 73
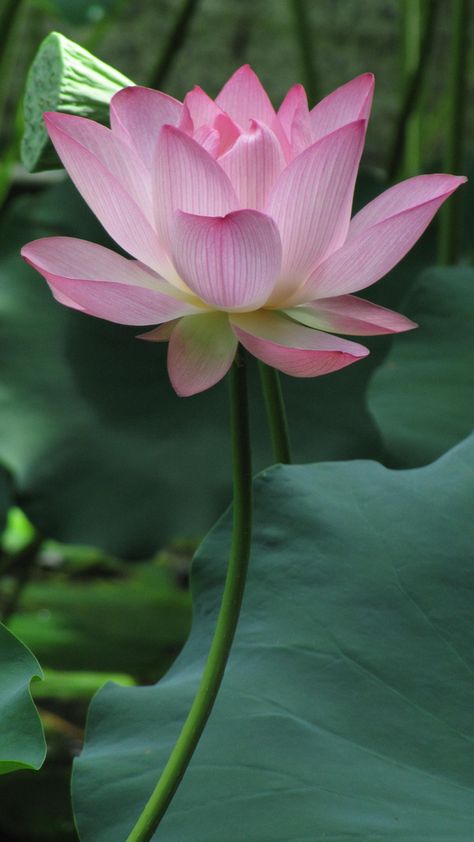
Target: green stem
276, 413
306, 43
449, 240
406, 144
229, 612
174, 43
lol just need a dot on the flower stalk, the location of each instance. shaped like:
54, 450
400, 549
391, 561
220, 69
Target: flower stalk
276, 413
227, 620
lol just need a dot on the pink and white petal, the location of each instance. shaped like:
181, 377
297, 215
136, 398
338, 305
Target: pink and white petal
81, 259
122, 161
187, 178
371, 252
137, 114
404, 196
162, 333
200, 352
349, 102
292, 348
120, 215
293, 115
351, 315
230, 262
244, 98
311, 203
99, 282
253, 165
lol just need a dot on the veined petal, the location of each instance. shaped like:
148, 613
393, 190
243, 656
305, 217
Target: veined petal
292, 348
230, 262
201, 350
351, 315
202, 109
253, 165
137, 114
346, 104
245, 98
379, 236
209, 139
104, 192
293, 115
187, 178
311, 203
100, 282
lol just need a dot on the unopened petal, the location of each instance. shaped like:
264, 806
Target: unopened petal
201, 351
296, 350
253, 165
244, 98
230, 262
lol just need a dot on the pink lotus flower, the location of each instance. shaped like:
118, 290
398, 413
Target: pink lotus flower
238, 218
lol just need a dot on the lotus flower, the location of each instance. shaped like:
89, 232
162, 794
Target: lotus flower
238, 220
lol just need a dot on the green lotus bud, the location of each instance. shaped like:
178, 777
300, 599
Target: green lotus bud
64, 77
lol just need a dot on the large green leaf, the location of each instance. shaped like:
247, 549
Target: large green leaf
22, 743
102, 450
422, 397
347, 711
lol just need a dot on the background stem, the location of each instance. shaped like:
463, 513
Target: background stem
449, 220
173, 43
306, 45
276, 413
228, 615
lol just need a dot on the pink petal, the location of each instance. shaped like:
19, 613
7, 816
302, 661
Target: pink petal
245, 98
200, 353
187, 178
293, 115
137, 114
253, 165
230, 262
116, 155
202, 109
209, 139
380, 235
94, 279
228, 132
346, 104
104, 192
348, 314
291, 348
311, 203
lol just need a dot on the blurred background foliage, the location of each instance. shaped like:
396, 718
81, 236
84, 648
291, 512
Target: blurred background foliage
102, 463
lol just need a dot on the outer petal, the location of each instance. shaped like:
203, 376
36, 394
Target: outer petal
187, 178
99, 282
311, 203
350, 102
230, 262
137, 114
245, 98
200, 353
253, 165
291, 348
352, 315
103, 191
380, 235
